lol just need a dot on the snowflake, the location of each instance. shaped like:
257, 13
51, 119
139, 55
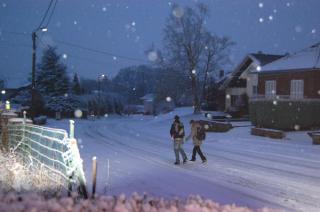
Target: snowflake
275, 11
178, 12
261, 20
78, 113
288, 4
261, 5
133, 23
270, 17
298, 28
258, 68
228, 96
133, 89
296, 127
114, 58
275, 102
64, 56
168, 99
153, 56
4, 5
106, 115
193, 71
75, 22
104, 9
318, 92
313, 31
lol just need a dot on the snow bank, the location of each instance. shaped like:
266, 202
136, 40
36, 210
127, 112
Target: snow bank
33, 202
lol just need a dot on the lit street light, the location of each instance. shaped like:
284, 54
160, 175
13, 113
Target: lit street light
3, 92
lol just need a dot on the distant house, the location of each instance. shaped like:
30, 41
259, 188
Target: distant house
242, 83
148, 105
289, 91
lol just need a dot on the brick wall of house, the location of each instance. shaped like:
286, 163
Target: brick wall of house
311, 82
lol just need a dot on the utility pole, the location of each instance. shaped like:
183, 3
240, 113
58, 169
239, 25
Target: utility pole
99, 97
33, 85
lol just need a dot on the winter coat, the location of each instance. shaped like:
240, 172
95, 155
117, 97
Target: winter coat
193, 134
177, 131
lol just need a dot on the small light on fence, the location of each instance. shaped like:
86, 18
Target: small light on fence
8, 105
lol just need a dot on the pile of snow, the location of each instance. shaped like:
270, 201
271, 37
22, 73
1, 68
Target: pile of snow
33, 202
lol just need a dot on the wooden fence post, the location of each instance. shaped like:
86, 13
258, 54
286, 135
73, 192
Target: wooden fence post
94, 175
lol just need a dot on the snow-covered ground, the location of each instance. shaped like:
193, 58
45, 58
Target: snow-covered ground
243, 169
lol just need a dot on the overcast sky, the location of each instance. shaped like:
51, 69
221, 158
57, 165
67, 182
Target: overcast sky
128, 27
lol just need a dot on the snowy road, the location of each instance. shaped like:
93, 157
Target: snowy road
242, 169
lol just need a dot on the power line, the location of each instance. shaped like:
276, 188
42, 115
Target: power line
15, 33
45, 15
86, 48
52, 12
99, 51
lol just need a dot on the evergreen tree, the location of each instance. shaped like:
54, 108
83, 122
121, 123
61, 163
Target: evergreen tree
76, 89
52, 79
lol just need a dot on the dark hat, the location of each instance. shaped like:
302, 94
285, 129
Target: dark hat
176, 117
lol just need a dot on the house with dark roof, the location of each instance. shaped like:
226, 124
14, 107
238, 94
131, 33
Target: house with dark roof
242, 83
289, 92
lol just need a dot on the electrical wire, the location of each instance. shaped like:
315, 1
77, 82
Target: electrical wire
45, 16
52, 12
99, 51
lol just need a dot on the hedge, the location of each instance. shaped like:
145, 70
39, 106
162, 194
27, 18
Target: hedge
285, 114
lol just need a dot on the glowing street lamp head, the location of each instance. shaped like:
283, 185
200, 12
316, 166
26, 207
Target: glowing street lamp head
3, 92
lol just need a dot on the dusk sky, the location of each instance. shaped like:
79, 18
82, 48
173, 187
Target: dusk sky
124, 29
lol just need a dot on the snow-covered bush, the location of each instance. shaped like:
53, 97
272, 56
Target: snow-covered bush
63, 104
18, 176
40, 120
33, 202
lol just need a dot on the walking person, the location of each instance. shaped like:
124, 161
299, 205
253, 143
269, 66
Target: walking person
198, 135
177, 134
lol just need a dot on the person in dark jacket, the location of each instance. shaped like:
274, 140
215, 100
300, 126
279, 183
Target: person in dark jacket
177, 134
196, 140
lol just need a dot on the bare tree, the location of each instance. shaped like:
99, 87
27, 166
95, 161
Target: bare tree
216, 54
190, 47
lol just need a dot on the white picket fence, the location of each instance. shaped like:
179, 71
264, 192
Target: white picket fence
51, 149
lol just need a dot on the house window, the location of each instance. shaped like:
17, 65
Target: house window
270, 88
254, 90
296, 89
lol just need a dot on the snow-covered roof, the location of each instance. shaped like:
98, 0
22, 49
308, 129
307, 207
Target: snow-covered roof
258, 59
308, 58
148, 97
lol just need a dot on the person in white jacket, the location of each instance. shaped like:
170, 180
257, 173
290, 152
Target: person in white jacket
196, 140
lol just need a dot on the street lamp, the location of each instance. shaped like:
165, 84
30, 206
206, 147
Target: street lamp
100, 78
33, 85
3, 92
